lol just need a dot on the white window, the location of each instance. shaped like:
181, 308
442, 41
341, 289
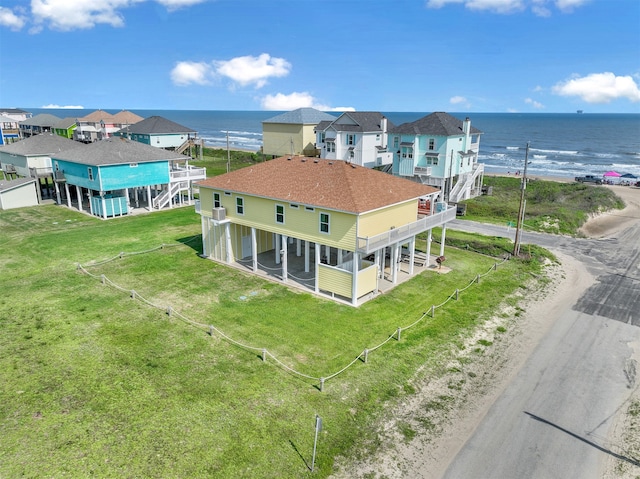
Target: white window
432, 144
324, 223
331, 147
280, 214
240, 205
351, 139
216, 200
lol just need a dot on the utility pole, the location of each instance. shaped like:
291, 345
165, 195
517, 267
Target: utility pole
523, 186
228, 154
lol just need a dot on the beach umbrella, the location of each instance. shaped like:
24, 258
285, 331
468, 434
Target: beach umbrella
628, 175
612, 174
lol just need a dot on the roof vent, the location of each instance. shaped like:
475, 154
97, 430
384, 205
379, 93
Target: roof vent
303, 159
331, 162
315, 161
289, 158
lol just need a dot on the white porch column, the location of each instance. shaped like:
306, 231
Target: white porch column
429, 247
444, 233
149, 203
277, 248
254, 249
327, 253
90, 203
126, 194
298, 247
104, 205
284, 257
412, 253
227, 235
317, 249
306, 256
394, 263
354, 280
66, 190
57, 187
340, 256
79, 196
376, 260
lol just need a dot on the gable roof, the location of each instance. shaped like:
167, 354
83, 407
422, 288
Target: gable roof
43, 119
157, 125
44, 144
331, 184
301, 116
437, 124
358, 121
117, 151
125, 117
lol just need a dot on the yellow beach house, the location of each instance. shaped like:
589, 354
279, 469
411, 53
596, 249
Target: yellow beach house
334, 228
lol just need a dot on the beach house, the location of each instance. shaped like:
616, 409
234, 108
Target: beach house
10, 119
35, 125
332, 227
31, 158
111, 177
292, 133
439, 150
159, 132
100, 124
358, 137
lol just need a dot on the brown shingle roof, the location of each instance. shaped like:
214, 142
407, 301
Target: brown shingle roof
331, 184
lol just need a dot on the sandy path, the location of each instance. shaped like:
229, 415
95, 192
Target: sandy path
480, 379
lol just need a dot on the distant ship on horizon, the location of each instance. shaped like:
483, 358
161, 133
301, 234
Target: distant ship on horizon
580, 111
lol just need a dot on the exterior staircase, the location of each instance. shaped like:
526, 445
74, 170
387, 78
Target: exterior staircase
180, 182
464, 189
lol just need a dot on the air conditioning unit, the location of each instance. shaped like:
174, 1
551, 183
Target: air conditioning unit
219, 214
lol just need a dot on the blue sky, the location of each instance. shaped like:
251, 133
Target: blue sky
382, 55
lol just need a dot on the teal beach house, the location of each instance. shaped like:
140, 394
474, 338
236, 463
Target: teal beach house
117, 176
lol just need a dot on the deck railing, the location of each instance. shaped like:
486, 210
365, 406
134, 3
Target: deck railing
372, 243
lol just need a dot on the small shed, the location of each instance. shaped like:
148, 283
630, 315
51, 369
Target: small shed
18, 193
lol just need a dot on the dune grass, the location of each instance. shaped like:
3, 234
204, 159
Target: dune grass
94, 383
551, 207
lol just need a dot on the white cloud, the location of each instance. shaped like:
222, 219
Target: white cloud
249, 70
63, 107
186, 73
533, 103
599, 88
68, 15
8, 18
295, 100
459, 100
538, 7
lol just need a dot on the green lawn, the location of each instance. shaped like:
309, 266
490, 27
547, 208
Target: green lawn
94, 383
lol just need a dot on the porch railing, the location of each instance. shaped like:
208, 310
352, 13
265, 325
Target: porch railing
372, 243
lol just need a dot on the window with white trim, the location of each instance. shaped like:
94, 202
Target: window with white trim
240, 205
216, 200
331, 147
280, 214
90, 170
324, 223
432, 143
351, 139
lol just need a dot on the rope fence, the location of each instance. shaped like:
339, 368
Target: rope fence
211, 329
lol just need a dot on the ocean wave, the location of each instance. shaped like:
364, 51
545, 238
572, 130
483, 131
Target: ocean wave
243, 133
540, 157
556, 152
513, 147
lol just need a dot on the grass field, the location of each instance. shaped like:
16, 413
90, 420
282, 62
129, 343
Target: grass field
94, 383
551, 207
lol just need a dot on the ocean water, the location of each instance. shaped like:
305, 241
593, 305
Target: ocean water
563, 145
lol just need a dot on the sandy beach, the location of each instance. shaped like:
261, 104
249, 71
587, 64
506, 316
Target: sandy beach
430, 452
